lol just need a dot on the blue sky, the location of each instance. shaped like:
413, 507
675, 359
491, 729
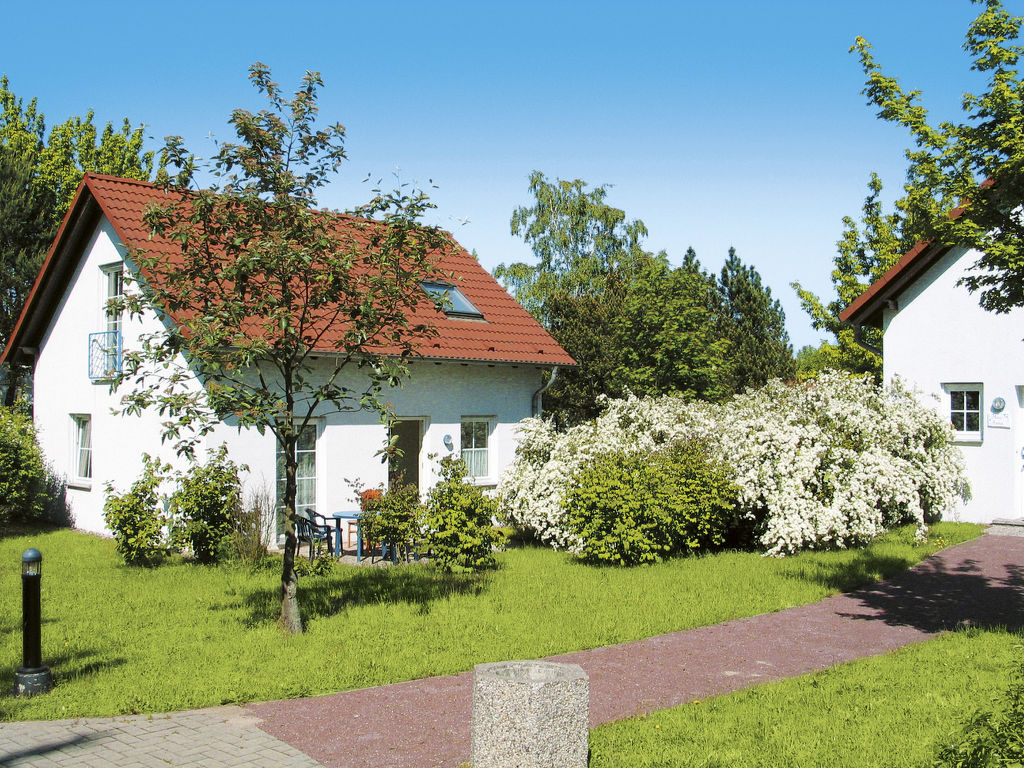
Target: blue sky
718, 124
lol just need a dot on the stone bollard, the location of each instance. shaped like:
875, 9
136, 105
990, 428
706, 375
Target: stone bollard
530, 714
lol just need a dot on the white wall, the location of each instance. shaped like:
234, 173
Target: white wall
439, 393
62, 387
938, 335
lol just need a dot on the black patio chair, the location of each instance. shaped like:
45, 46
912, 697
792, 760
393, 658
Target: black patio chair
314, 530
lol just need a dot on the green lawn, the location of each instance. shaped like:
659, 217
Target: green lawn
122, 640
889, 710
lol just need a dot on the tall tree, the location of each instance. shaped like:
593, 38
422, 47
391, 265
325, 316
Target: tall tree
586, 251
672, 332
73, 147
863, 254
39, 175
589, 327
24, 235
757, 327
977, 162
577, 238
631, 320
260, 284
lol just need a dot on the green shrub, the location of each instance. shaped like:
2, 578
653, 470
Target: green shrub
22, 471
322, 565
639, 508
207, 503
142, 534
990, 739
56, 509
459, 531
393, 518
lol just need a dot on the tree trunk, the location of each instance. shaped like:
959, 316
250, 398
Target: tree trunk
291, 620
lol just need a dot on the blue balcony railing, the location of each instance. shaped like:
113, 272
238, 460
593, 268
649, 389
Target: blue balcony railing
104, 355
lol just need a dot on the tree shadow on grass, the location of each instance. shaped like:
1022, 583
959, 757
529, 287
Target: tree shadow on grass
65, 666
951, 589
329, 595
845, 573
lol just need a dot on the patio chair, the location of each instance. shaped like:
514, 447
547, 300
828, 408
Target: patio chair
314, 530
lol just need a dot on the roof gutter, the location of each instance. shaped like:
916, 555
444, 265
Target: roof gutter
537, 396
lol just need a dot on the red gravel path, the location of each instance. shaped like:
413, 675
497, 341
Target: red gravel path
426, 723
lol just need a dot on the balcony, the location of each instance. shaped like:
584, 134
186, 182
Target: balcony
104, 355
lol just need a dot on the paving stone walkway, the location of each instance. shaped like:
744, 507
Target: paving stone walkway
426, 723
227, 737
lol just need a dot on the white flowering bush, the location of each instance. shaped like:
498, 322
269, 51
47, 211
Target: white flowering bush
831, 462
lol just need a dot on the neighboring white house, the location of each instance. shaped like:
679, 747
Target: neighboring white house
470, 386
968, 363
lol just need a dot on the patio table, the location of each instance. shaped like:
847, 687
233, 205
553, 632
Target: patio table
348, 516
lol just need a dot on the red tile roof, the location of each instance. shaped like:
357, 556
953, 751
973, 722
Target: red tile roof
509, 334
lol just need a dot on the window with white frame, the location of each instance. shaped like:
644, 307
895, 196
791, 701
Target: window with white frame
965, 401
476, 433
113, 283
81, 448
305, 475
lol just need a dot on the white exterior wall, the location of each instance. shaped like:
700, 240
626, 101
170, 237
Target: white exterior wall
939, 335
62, 387
440, 394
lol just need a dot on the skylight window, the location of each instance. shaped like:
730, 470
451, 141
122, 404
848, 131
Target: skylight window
454, 302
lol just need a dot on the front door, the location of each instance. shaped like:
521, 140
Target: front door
404, 467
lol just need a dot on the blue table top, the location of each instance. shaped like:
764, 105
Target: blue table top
348, 515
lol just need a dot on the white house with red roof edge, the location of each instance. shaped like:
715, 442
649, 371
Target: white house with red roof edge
470, 386
968, 364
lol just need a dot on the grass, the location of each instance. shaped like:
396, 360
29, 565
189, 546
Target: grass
127, 640
889, 710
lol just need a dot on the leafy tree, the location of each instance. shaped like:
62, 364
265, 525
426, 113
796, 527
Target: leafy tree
72, 148
579, 241
672, 332
589, 327
863, 254
39, 175
757, 328
811, 360
631, 320
586, 253
260, 284
24, 235
977, 162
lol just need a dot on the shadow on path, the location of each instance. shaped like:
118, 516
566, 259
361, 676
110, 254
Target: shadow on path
951, 589
8, 758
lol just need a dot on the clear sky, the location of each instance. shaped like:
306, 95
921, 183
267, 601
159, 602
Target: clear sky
732, 123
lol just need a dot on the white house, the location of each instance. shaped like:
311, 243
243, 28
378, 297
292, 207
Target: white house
967, 362
468, 388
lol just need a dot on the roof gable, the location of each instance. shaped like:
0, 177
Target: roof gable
507, 333
867, 308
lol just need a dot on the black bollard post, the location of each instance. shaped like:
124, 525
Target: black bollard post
32, 676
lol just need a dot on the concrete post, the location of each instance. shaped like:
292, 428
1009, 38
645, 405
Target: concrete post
530, 714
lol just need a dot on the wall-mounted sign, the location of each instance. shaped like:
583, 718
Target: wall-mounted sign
998, 421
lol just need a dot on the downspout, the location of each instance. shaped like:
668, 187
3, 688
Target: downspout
858, 337
540, 392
